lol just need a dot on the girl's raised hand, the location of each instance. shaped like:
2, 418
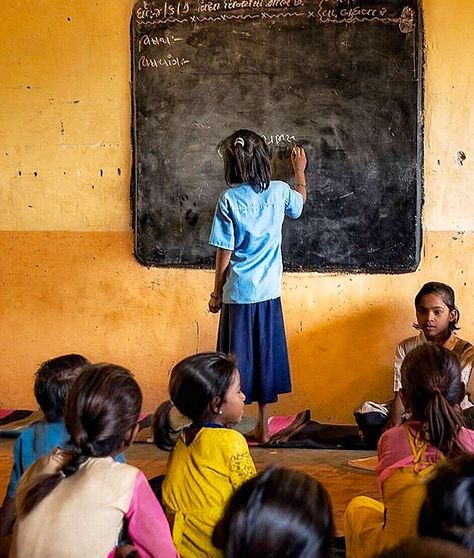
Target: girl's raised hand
298, 159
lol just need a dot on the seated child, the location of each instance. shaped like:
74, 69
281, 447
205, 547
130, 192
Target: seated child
426, 548
75, 502
436, 318
279, 513
209, 461
52, 383
448, 510
432, 391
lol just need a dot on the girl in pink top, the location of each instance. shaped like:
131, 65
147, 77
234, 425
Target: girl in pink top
76, 503
432, 391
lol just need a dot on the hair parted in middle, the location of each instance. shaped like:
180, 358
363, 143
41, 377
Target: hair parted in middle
279, 513
433, 391
246, 159
196, 383
446, 293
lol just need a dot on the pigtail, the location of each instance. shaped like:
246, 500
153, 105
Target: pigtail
164, 435
38, 491
45, 484
240, 159
431, 380
246, 159
443, 425
103, 405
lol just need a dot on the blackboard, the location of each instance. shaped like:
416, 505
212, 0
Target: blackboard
343, 78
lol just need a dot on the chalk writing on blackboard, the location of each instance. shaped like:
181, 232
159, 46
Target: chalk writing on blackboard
328, 11
350, 94
148, 40
169, 61
344, 11
279, 139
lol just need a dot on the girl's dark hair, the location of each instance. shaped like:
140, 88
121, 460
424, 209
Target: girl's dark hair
53, 380
433, 390
196, 382
246, 159
425, 548
279, 513
446, 293
448, 510
103, 405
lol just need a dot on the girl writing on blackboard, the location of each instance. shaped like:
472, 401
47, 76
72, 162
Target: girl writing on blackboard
247, 233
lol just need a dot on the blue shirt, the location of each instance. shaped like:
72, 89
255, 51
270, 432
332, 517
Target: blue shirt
249, 223
39, 439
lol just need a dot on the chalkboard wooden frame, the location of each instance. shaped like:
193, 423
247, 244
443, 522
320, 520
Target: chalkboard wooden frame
173, 200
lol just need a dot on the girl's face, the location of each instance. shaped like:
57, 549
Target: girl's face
433, 317
232, 409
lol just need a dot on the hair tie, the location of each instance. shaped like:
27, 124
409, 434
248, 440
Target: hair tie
239, 141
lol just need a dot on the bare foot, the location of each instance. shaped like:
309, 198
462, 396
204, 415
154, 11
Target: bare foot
256, 435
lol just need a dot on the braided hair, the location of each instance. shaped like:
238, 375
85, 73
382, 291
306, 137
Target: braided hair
103, 406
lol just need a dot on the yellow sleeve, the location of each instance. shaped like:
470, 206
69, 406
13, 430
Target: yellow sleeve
241, 464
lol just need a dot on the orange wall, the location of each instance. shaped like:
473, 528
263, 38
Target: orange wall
69, 281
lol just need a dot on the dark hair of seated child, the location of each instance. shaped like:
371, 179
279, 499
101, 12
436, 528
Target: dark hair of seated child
53, 381
448, 510
425, 548
279, 513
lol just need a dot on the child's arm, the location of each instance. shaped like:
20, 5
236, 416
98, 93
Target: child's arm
7, 515
398, 408
8, 509
299, 161
222, 263
242, 466
147, 525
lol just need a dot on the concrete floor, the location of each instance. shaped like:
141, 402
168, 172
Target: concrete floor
328, 466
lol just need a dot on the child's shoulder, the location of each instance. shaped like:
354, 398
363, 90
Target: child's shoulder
462, 344
410, 343
224, 437
41, 428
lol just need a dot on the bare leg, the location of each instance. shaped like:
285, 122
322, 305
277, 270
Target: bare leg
262, 424
260, 432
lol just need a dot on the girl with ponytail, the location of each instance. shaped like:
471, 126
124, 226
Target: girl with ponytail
75, 503
432, 391
247, 234
208, 460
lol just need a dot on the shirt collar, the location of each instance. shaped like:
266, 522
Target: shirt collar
449, 343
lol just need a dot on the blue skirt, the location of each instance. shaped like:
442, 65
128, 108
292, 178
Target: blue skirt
255, 334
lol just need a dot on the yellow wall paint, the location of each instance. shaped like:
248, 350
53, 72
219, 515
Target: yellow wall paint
69, 281
449, 117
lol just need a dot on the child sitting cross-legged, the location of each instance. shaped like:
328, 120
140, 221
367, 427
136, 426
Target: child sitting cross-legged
52, 383
432, 390
279, 513
76, 502
208, 460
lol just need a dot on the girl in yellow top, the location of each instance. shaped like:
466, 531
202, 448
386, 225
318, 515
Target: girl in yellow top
209, 461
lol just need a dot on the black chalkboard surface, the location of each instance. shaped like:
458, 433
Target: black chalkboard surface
343, 78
